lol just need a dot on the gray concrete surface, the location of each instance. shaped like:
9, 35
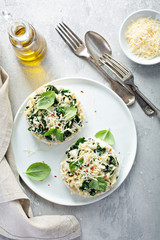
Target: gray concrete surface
133, 211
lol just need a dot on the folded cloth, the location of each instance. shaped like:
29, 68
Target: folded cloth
16, 219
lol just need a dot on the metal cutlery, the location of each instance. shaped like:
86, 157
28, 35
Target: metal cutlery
98, 47
127, 77
80, 50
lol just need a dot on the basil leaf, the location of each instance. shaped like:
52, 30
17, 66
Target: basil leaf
70, 113
75, 165
94, 184
38, 171
63, 112
101, 184
46, 100
98, 184
106, 136
59, 135
50, 132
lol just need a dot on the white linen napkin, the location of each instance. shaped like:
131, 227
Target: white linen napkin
16, 219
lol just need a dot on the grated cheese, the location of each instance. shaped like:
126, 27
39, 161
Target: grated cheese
143, 36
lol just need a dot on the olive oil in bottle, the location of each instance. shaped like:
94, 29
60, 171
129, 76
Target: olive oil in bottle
29, 46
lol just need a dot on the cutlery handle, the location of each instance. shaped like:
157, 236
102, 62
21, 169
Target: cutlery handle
148, 107
121, 89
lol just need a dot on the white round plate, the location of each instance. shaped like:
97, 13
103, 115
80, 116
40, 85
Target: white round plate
123, 41
103, 110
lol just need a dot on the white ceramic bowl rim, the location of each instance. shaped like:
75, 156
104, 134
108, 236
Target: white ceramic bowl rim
123, 41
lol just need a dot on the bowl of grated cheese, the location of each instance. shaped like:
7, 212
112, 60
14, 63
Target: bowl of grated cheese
139, 37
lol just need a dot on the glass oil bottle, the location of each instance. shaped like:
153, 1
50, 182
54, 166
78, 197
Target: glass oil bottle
29, 46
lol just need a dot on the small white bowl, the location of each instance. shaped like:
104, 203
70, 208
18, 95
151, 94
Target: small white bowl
123, 41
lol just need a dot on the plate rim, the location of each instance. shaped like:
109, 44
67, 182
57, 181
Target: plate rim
102, 196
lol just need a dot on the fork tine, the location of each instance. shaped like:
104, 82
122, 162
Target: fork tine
70, 35
115, 64
65, 37
111, 67
120, 64
73, 33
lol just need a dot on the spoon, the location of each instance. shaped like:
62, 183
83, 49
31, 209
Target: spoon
98, 47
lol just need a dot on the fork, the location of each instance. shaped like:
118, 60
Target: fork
127, 77
80, 50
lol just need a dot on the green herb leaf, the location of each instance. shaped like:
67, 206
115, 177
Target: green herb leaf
100, 150
52, 88
85, 185
50, 132
98, 184
70, 113
63, 112
80, 140
75, 146
94, 184
38, 171
106, 136
75, 165
46, 100
102, 184
59, 135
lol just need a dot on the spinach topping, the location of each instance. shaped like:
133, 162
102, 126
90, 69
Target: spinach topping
49, 138
52, 88
107, 168
63, 91
85, 185
66, 134
100, 150
73, 103
58, 112
112, 160
75, 146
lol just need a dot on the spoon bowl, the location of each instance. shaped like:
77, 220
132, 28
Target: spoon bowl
97, 45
